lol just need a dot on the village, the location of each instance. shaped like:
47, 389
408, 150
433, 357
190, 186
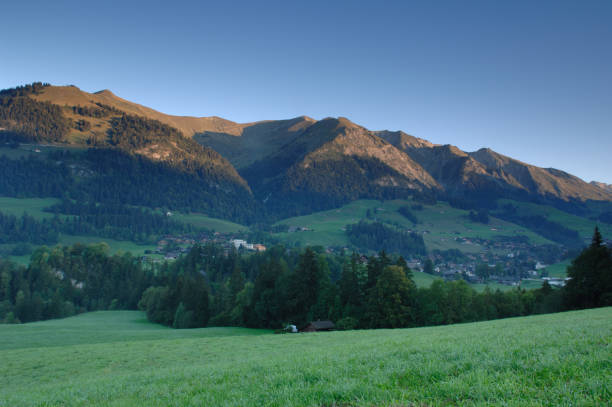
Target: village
170, 247
502, 261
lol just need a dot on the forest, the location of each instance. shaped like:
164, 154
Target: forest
377, 236
29, 120
539, 224
99, 176
112, 221
210, 287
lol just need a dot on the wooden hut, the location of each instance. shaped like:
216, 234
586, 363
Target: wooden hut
317, 326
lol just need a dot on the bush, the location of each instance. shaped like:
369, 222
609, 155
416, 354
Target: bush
347, 324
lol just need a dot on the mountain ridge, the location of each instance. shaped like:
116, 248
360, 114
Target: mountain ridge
315, 164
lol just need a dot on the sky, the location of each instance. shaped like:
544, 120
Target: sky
529, 79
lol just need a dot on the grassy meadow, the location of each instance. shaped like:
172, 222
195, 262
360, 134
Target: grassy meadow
203, 221
558, 270
440, 223
32, 206
119, 359
583, 226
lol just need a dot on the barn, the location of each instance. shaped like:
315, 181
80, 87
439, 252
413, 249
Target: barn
318, 326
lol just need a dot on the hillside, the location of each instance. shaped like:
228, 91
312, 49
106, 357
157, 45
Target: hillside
117, 358
439, 224
120, 157
279, 156
73, 96
332, 162
99, 149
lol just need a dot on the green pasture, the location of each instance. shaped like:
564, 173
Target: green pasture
531, 284
203, 221
582, 225
423, 280
558, 270
115, 246
440, 224
118, 359
102, 327
32, 206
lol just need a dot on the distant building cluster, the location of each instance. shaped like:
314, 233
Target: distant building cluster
243, 244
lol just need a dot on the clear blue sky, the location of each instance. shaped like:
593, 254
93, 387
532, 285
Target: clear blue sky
530, 79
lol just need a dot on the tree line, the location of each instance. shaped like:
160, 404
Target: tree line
116, 222
99, 175
209, 287
62, 281
377, 236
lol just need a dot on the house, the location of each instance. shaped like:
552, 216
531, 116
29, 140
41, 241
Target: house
540, 266
171, 256
318, 326
259, 247
238, 243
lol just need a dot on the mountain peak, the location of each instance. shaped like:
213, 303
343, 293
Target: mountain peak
104, 92
602, 185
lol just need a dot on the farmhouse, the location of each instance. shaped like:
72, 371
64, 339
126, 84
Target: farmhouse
317, 326
238, 243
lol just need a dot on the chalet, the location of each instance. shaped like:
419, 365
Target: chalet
318, 326
558, 282
171, 256
238, 243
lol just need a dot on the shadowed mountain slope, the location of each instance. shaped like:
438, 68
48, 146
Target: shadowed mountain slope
294, 166
486, 172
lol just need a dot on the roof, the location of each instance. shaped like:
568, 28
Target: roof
322, 324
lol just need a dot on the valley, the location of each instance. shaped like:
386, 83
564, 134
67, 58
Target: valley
92, 167
306, 204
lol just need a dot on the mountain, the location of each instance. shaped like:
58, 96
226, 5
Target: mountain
251, 142
601, 185
280, 167
488, 173
331, 162
133, 154
73, 96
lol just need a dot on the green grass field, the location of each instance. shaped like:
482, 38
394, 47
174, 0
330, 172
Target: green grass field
118, 359
582, 225
531, 284
32, 206
441, 224
559, 269
115, 246
202, 221
423, 280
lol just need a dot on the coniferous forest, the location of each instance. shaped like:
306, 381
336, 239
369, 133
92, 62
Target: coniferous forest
210, 287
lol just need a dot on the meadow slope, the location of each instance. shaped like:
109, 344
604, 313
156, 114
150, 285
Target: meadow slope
118, 359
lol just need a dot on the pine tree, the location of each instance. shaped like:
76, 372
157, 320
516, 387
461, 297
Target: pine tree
391, 301
305, 286
590, 273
